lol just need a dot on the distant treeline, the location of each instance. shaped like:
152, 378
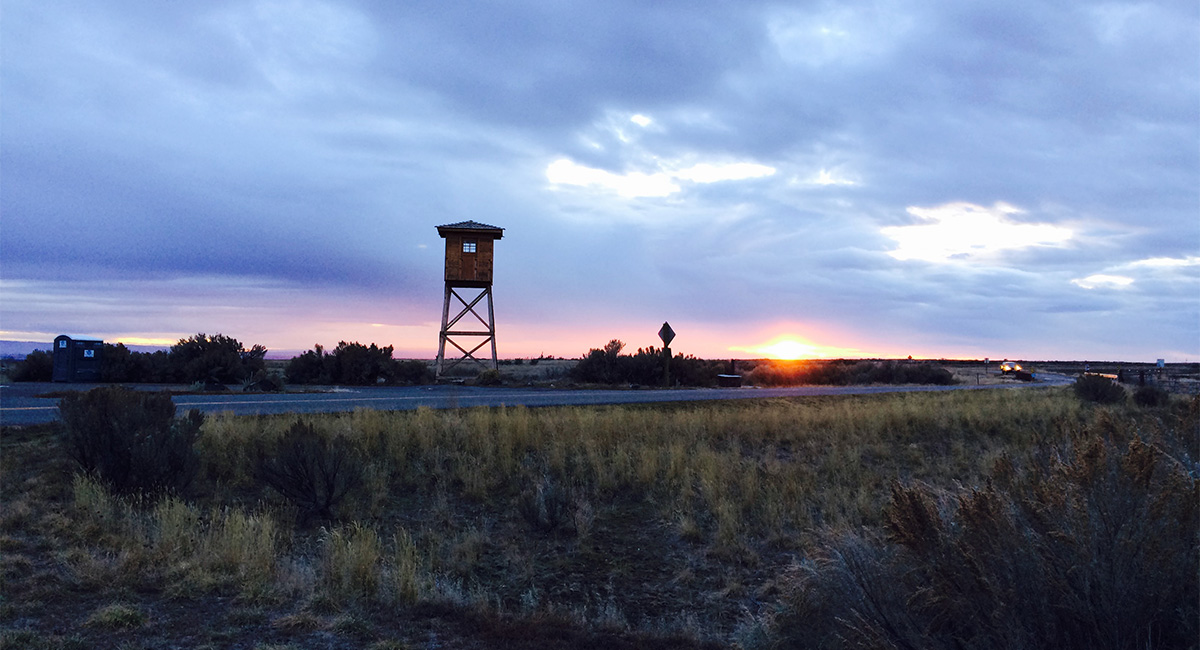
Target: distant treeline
844, 372
221, 359
200, 358
355, 364
608, 366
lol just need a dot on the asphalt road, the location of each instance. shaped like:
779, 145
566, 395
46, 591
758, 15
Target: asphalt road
20, 404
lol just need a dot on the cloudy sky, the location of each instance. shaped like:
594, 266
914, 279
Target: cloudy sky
855, 178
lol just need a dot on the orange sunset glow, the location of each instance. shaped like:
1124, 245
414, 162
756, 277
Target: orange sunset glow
796, 347
789, 349
148, 341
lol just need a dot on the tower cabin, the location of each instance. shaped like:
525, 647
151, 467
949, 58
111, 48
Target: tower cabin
469, 253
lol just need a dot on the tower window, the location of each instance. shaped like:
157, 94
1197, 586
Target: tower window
468, 245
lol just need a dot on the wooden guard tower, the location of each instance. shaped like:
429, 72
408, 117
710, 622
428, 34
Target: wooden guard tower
469, 253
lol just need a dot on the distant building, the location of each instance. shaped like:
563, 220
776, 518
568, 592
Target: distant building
77, 359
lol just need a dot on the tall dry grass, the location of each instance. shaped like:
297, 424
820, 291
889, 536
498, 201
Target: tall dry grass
491, 507
190, 550
760, 469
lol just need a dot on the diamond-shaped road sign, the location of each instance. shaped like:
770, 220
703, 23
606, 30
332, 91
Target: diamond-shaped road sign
666, 334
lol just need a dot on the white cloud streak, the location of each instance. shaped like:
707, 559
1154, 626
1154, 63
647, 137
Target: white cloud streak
965, 232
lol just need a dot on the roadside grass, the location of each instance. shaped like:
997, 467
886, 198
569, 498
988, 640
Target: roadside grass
574, 527
116, 616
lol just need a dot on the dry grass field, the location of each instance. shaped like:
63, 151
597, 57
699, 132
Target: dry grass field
520, 371
677, 526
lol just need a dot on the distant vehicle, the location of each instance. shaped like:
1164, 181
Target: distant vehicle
1009, 366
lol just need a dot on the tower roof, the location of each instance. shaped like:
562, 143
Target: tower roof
472, 226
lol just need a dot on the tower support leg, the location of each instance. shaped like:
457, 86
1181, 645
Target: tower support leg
450, 330
441, 358
492, 329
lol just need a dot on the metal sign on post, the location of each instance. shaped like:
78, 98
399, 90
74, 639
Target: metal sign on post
667, 335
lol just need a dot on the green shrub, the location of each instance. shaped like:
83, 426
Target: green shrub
119, 364
645, 368
313, 472
412, 371
360, 365
219, 358
309, 368
899, 372
130, 439
355, 364
1095, 388
1151, 396
36, 366
600, 364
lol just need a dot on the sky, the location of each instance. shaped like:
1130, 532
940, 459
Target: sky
940, 179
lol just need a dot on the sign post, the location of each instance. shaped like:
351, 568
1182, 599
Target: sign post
667, 335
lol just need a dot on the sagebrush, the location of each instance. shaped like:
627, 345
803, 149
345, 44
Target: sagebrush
313, 472
131, 439
1092, 544
1100, 389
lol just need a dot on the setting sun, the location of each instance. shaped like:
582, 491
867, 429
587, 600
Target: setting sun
790, 349
791, 346
795, 347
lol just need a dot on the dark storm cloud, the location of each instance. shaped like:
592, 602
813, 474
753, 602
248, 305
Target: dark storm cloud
549, 64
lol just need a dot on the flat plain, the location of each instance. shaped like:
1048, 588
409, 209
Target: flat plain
670, 525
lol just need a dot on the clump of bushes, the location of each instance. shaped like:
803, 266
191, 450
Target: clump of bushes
1092, 545
36, 366
218, 357
608, 366
131, 440
1152, 396
355, 364
411, 371
119, 364
1099, 389
312, 471
845, 372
